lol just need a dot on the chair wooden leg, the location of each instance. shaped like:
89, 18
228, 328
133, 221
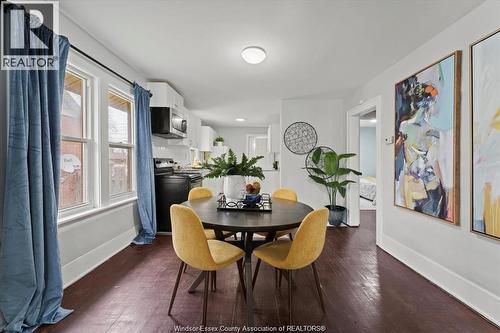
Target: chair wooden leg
235, 237
280, 278
318, 286
205, 299
276, 278
289, 297
256, 273
214, 281
174, 292
239, 263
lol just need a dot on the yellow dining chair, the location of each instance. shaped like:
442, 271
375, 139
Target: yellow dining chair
193, 249
286, 194
201, 193
302, 251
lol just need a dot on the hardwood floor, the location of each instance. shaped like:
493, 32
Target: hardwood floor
366, 290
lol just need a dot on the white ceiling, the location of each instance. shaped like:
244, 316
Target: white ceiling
314, 47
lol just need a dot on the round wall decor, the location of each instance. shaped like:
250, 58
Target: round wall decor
300, 138
321, 164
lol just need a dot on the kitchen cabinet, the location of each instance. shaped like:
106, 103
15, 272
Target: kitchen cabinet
164, 96
207, 138
274, 138
193, 130
178, 100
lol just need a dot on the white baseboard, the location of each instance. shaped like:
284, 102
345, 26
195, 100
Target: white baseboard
81, 266
479, 299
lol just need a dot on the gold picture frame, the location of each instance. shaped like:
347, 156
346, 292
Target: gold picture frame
411, 96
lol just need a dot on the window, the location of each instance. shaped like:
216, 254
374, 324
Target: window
74, 145
120, 143
97, 147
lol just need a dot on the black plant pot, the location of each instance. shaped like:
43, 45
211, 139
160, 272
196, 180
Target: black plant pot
337, 215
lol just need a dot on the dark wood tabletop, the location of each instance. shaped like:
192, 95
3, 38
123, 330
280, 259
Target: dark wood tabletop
285, 214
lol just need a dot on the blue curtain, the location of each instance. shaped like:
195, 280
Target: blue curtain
30, 271
145, 176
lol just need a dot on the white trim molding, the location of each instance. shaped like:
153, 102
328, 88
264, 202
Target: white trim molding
477, 298
353, 125
81, 266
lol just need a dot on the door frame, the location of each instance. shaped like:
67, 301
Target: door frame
353, 142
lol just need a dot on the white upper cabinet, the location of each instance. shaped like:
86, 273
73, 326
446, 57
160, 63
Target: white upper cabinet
207, 138
178, 100
165, 96
193, 130
273, 138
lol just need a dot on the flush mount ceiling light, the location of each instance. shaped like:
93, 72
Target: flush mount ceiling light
253, 54
374, 120
240, 119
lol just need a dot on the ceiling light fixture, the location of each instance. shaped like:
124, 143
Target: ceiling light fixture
240, 119
374, 120
253, 54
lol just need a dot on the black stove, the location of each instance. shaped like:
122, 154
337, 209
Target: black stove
171, 188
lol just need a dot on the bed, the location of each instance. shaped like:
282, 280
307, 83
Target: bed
368, 188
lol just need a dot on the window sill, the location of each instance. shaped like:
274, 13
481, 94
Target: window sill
95, 211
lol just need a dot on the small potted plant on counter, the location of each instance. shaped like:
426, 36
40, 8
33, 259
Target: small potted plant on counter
328, 170
219, 141
234, 173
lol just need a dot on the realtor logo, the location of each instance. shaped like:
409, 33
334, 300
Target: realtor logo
28, 35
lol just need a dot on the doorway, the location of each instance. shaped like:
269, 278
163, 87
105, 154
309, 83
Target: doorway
372, 110
368, 161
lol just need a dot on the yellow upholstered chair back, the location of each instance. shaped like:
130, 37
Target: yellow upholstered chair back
199, 193
188, 236
309, 240
284, 193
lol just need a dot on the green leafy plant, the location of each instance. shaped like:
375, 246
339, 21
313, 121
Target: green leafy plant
219, 139
229, 166
331, 173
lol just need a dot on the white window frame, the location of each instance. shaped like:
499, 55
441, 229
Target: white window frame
113, 198
88, 144
98, 198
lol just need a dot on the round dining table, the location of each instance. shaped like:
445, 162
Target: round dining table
285, 215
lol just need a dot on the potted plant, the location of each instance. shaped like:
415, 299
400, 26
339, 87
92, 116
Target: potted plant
234, 173
219, 141
328, 169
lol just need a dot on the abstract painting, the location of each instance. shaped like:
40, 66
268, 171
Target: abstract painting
427, 140
485, 108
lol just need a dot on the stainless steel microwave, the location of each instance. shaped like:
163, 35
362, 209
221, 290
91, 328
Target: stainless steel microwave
168, 123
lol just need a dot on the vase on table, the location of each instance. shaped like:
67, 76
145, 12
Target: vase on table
234, 187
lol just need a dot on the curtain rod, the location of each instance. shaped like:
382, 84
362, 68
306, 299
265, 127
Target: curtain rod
83, 53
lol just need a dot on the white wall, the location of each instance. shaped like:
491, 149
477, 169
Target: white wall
327, 116
81, 39
161, 148
465, 264
368, 151
87, 242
